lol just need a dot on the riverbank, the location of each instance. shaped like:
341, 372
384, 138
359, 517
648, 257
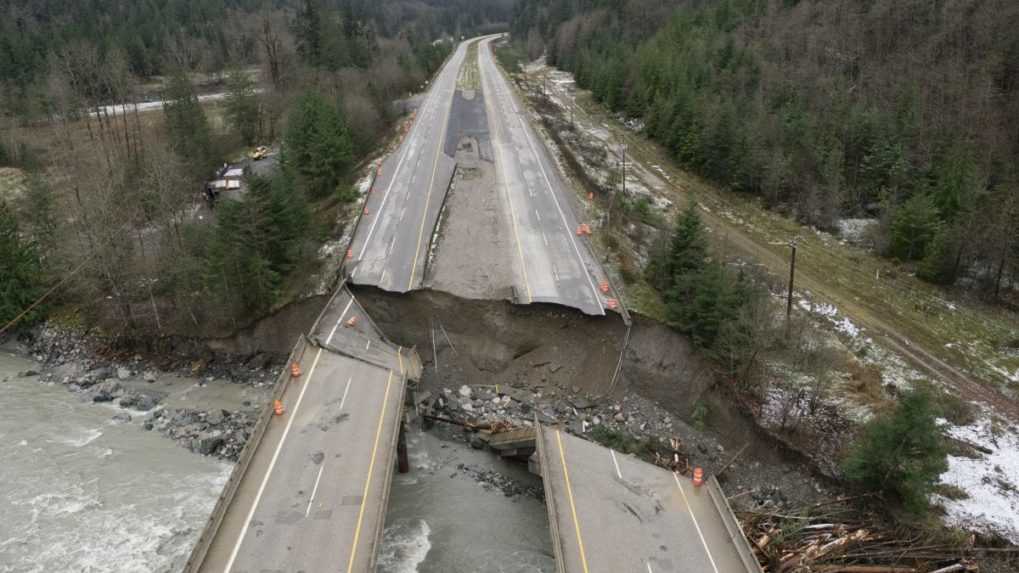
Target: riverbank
205, 402
82, 491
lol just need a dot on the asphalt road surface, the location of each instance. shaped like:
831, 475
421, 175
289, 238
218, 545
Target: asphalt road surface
389, 249
611, 512
553, 264
314, 497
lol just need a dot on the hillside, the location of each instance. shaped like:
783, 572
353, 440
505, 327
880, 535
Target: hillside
904, 112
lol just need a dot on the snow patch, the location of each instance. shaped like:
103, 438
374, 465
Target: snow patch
842, 324
992, 481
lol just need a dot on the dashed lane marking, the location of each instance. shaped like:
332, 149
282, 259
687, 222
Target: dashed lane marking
562, 215
314, 490
272, 464
496, 129
615, 462
346, 389
339, 320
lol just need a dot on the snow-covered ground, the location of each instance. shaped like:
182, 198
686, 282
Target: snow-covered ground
991, 480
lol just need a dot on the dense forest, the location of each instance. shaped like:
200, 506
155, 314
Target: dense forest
206, 35
907, 111
100, 193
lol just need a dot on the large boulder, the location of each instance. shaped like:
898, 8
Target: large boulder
207, 442
107, 391
139, 401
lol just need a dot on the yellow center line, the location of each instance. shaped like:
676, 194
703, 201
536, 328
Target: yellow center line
695, 524
368, 481
573, 507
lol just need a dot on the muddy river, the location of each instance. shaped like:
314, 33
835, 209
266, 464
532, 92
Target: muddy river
80, 492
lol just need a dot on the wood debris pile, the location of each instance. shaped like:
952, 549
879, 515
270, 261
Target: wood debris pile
834, 537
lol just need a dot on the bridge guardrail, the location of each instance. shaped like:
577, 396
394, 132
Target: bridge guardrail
226, 497
553, 511
201, 547
746, 555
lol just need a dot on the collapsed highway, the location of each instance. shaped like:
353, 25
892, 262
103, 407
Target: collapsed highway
311, 489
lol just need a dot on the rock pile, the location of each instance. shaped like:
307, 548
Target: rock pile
81, 362
219, 433
491, 479
632, 416
55, 346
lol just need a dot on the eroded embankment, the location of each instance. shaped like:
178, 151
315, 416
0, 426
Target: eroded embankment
559, 363
542, 345
565, 361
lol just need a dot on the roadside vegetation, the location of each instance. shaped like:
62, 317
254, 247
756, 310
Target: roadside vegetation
883, 111
92, 175
901, 453
830, 381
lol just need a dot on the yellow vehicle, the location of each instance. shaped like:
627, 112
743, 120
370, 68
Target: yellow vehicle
260, 152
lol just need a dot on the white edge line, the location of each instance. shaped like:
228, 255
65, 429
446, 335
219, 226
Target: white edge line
315, 489
272, 463
695, 524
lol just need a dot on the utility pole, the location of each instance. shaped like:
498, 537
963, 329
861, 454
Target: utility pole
789, 300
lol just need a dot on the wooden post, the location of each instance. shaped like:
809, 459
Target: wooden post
792, 276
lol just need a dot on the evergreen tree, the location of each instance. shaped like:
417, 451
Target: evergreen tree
688, 249
318, 145
38, 213
188, 128
938, 264
914, 226
258, 241
901, 453
20, 269
308, 32
242, 106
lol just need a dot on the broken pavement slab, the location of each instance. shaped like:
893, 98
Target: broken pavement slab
610, 512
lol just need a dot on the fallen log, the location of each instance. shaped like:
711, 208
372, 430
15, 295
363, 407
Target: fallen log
864, 569
956, 568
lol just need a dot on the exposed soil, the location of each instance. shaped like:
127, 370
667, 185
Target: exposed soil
559, 363
473, 255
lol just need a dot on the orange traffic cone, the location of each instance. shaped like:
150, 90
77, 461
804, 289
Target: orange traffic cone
698, 477
295, 370
277, 407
